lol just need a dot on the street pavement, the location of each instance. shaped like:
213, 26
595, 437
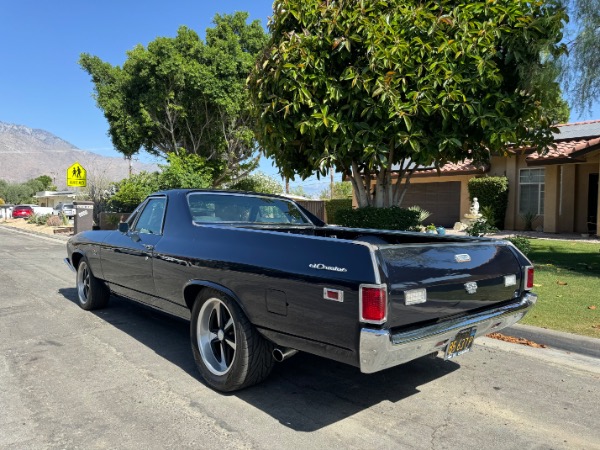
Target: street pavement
124, 377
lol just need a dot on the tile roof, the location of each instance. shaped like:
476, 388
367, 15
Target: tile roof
565, 151
465, 167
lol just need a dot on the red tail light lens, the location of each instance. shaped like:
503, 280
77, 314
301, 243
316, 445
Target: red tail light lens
373, 303
529, 277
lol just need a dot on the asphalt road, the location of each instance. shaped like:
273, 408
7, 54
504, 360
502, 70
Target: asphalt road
124, 377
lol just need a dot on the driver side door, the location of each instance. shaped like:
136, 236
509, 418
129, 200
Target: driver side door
127, 257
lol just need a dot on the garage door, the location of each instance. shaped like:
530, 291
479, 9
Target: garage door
442, 200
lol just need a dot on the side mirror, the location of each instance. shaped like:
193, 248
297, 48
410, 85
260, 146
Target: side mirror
123, 227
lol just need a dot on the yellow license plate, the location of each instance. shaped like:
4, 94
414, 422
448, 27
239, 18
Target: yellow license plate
461, 343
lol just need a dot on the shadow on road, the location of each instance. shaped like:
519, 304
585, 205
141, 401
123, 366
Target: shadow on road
304, 393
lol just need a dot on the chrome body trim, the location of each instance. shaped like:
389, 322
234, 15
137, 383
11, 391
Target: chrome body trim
67, 261
381, 349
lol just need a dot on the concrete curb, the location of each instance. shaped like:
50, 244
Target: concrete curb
574, 343
55, 237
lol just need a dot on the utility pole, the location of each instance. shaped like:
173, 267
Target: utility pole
331, 185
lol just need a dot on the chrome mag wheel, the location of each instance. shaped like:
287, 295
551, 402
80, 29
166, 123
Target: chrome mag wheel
83, 283
216, 335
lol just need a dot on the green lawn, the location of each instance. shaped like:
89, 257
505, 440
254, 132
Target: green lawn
567, 281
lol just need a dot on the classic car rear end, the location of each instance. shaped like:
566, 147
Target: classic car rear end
258, 275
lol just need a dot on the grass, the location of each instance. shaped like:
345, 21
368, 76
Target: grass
567, 281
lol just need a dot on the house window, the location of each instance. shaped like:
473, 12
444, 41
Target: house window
531, 191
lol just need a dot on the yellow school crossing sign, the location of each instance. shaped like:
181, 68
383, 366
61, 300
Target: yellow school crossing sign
76, 175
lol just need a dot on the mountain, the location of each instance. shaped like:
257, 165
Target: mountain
27, 153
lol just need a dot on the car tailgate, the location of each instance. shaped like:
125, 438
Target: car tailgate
457, 278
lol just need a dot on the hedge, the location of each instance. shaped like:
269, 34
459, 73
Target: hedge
394, 218
491, 192
334, 206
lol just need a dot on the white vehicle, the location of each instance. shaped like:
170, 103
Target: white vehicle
42, 210
68, 209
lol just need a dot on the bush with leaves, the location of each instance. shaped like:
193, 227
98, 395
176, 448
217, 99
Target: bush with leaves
522, 243
393, 218
491, 192
258, 182
334, 206
480, 228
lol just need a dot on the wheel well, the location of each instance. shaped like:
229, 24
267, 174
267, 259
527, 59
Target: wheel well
75, 259
191, 294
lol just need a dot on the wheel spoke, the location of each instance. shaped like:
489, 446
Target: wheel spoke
230, 343
228, 325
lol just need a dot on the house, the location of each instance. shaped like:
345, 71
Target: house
53, 198
559, 187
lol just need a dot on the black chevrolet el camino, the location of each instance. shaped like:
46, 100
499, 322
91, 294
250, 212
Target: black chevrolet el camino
260, 278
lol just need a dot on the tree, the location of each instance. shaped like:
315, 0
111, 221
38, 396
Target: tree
341, 189
580, 68
372, 88
259, 182
183, 94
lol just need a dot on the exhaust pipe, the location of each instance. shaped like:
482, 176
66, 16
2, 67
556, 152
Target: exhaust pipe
281, 354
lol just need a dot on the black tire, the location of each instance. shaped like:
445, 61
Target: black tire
92, 293
229, 353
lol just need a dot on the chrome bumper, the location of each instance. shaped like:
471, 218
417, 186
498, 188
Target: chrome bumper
380, 349
67, 261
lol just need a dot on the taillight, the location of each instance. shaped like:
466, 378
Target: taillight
373, 303
528, 278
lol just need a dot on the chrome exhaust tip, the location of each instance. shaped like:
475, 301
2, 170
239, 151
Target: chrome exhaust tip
281, 354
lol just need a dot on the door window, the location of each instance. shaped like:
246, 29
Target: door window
151, 218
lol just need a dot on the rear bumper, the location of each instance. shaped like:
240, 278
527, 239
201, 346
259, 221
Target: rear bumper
380, 349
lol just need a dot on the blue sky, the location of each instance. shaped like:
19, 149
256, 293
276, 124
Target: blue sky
41, 84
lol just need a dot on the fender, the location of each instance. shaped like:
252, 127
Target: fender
209, 284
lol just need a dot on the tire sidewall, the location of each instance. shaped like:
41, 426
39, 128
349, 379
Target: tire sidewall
237, 373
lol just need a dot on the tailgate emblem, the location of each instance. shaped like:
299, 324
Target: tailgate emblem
463, 257
471, 287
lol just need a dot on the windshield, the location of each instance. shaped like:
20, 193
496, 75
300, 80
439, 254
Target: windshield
234, 208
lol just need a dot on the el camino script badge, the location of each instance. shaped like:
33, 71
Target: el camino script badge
471, 287
463, 257
324, 267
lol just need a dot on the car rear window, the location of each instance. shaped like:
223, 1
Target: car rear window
235, 208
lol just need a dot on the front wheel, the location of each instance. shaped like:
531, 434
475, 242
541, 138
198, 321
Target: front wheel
229, 352
92, 293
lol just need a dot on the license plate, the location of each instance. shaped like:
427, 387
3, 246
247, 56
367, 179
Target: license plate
461, 343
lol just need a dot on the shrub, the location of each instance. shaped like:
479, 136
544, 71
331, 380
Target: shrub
54, 221
334, 206
491, 192
423, 213
522, 243
480, 228
38, 219
394, 218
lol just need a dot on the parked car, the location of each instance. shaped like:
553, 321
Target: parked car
68, 209
22, 211
42, 210
260, 278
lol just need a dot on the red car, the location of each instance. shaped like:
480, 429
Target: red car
22, 211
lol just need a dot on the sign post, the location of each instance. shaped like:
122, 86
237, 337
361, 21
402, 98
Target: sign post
76, 176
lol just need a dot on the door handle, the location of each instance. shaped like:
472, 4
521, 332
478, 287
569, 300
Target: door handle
148, 246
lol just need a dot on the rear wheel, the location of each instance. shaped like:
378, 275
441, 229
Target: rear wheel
92, 293
229, 352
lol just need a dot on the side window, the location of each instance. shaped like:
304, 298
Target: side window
151, 218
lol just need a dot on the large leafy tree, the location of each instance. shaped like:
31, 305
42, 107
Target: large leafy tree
371, 87
184, 95
580, 68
